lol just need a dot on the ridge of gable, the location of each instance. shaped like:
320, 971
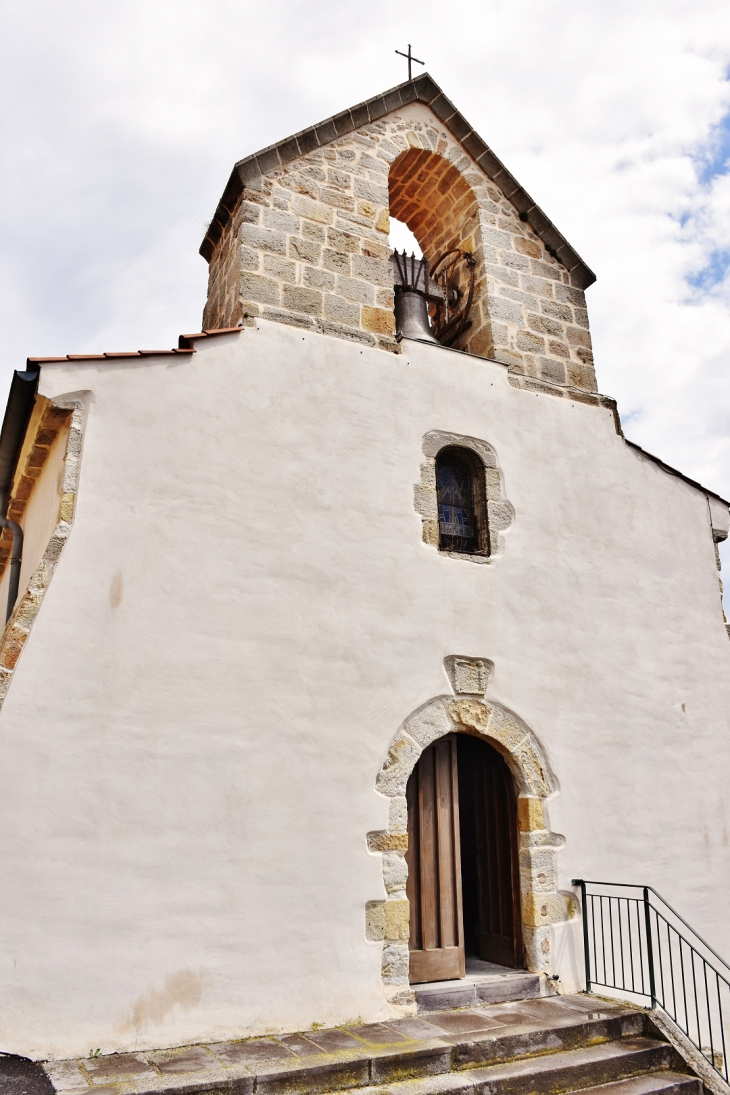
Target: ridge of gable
422, 89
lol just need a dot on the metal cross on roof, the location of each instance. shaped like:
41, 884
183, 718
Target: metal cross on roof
409, 57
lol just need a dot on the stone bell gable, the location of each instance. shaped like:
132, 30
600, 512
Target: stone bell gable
301, 237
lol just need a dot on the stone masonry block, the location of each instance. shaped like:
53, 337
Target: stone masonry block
379, 320
263, 239
249, 260
374, 921
557, 311
530, 814
515, 261
530, 343
395, 872
338, 199
395, 964
386, 841
505, 728
535, 777
342, 311
544, 270
279, 268
377, 271
316, 278
528, 247
398, 820
292, 319
376, 193
260, 289
302, 300
552, 371
401, 759
544, 325
281, 222
568, 295
578, 337
389, 920
537, 870
505, 310
470, 713
336, 261
429, 724
312, 210
250, 213
539, 909
355, 289
312, 231
343, 241
304, 250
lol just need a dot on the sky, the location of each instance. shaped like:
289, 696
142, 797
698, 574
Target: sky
121, 123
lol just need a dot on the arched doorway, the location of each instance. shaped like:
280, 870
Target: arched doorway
463, 870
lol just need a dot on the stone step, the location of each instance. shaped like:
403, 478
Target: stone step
478, 987
630, 1065
652, 1083
457, 1049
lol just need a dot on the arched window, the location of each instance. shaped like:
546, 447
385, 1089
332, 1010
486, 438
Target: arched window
462, 502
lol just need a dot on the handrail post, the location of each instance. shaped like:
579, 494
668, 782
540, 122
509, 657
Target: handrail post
649, 946
586, 953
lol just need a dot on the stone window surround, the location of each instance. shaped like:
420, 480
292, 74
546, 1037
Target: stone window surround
500, 512
467, 711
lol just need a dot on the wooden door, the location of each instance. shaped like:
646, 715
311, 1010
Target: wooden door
434, 865
490, 853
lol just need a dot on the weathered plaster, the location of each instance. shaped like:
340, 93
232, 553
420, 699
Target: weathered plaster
240, 620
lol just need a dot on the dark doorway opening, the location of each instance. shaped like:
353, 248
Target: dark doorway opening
489, 859
463, 869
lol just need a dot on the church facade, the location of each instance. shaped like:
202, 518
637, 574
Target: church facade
333, 656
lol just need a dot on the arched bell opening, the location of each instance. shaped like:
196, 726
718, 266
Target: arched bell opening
439, 299
463, 868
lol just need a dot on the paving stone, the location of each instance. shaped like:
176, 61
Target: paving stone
118, 1065
184, 1060
417, 1028
378, 1034
300, 1045
332, 1040
264, 1049
464, 1022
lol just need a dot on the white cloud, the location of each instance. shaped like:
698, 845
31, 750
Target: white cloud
122, 122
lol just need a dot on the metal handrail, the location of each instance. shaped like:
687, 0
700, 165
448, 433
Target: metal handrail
634, 886
646, 951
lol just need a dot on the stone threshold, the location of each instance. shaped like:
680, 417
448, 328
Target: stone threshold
349, 1057
484, 983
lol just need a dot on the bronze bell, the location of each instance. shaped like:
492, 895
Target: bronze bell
410, 278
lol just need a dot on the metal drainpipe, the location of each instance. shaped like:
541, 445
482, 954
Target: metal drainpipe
16, 556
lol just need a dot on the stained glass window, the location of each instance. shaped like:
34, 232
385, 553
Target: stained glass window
461, 501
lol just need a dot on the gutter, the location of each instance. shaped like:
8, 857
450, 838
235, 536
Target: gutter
23, 388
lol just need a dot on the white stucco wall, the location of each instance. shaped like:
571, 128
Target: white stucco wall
243, 616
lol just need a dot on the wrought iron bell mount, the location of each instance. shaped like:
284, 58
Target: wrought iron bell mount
433, 305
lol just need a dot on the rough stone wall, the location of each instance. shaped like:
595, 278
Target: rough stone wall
308, 246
